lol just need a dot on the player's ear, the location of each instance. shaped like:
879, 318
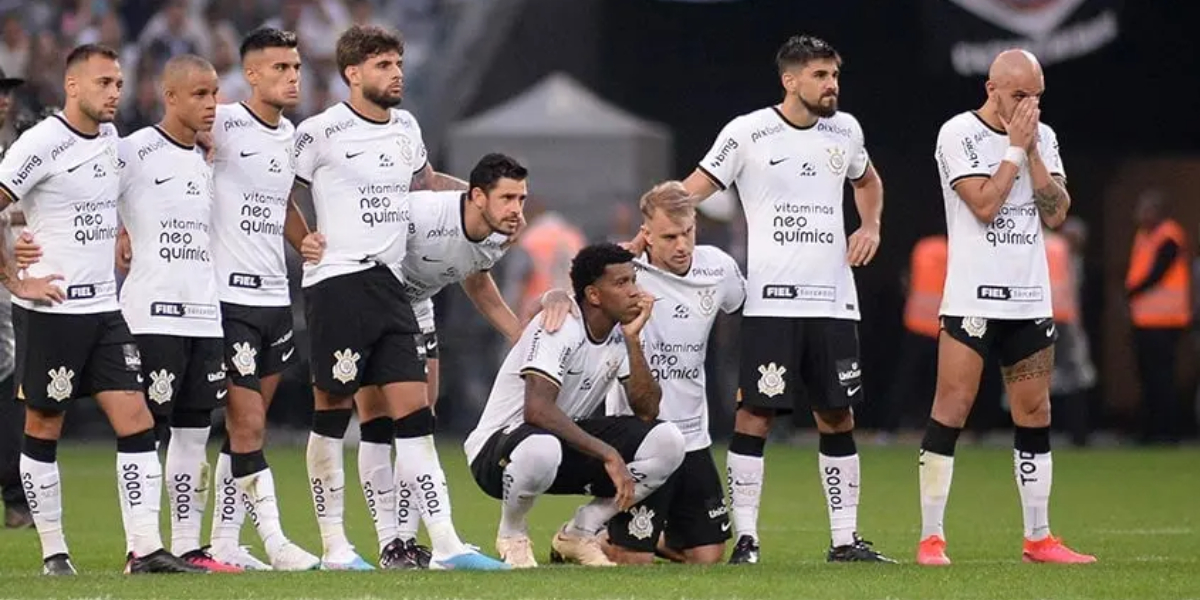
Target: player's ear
592, 294
352, 75
478, 196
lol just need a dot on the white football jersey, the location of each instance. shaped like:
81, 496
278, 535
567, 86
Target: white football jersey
791, 182
995, 270
166, 205
583, 368
676, 336
252, 174
66, 182
359, 172
439, 251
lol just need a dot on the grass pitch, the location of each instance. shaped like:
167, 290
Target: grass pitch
1135, 509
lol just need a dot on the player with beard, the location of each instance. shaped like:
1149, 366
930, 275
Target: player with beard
253, 172
71, 338
1002, 179
687, 521
790, 163
360, 159
456, 237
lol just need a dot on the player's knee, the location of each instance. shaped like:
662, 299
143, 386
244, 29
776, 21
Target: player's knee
753, 421
837, 420
534, 463
665, 445
1034, 412
705, 555
952, 405
43, 424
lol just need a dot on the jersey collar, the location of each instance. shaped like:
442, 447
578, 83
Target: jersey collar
462, 220
364, 117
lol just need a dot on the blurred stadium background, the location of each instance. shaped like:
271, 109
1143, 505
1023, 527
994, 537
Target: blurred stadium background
603, 98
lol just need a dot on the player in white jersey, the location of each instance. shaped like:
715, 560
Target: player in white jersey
688, 520
253, 173
537, 434
1002, 179
360, 158
71, 339
790, 163
169, 298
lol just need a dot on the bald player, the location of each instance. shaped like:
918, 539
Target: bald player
170, 296
1002, 179
71, 338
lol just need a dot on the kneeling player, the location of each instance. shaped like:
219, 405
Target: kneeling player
687, 521
535, 436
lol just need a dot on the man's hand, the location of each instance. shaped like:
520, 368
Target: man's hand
556, 305
637, 246
26, 251
124, 251
622, 480
1022, 128
634, 328
862, 245
38, 289
204, 139
313, 247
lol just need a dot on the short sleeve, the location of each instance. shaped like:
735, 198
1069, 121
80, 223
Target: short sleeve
724, 161
1048, 148
623, 370
421, 158
957, 156
307, 151
732, 287
126, 165
25, 165
859, 159
615, 403
547, 354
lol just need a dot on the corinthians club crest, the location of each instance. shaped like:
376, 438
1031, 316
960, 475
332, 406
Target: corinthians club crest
837, 160
708, 302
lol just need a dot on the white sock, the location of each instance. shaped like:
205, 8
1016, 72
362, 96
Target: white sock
408, 516
531, 470
327, 481
745, 477
140, 481
417, 464
839, 479
660, 453
1034, 473
187, 486
379, 488
43, 492
935, 472
261, 504
230, 510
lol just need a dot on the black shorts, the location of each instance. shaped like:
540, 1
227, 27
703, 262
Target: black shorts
61, 357
578, 474
183, 373
258, 342
790, 363
1014, 340
690, 509
362, 331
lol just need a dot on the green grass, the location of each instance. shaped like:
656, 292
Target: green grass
1136, 510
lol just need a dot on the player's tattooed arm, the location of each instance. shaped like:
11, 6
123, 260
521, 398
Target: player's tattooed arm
542, 411
483, 292
428, 179
1052, 200
641, 388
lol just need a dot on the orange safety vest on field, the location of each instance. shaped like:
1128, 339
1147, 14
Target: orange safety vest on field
927, 277
1062, 280
1166, 305
551, 243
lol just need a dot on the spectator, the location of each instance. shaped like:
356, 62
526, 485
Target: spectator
170, 33
15, 45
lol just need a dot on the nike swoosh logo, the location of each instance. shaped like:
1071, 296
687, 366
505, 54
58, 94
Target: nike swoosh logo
287, 355
162, 181
50, 487
854, 390
724, 527
337, 489
350, 155
72, 169
575, 372
774, 162
245, 154
427, 259
1050, 332
221, 394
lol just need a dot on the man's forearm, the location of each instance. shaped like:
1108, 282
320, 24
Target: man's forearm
482, 291
8, 267
447, 183
1049, 192
643, 391
295, 227
869, 201
542, 412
